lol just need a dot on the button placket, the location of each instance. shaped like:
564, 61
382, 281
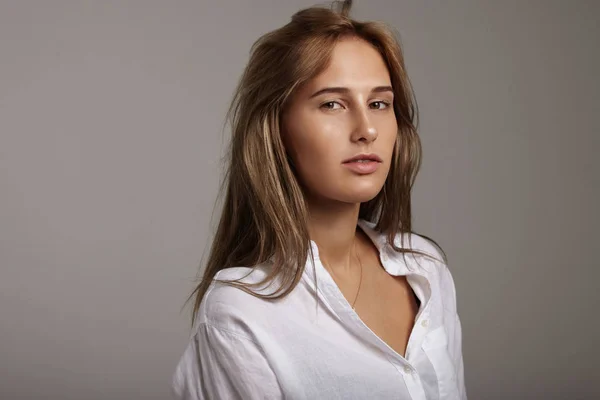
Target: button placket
419, 331
412, 381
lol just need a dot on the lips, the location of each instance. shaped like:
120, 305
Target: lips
363, 158
362, 166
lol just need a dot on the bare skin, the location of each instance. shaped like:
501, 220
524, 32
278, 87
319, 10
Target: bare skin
319, 133
388, 307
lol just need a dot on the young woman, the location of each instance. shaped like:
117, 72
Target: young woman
316, 287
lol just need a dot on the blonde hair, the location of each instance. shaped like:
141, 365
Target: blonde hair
264, 215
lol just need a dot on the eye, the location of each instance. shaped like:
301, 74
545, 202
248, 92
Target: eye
385, 104
328, 105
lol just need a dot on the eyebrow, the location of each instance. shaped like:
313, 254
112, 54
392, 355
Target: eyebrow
344, 90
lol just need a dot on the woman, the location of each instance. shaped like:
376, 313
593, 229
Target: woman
316, 288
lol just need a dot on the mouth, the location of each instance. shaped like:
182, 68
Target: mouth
363, 164
363, 158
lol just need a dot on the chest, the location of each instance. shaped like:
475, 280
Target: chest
387, 305
342, 354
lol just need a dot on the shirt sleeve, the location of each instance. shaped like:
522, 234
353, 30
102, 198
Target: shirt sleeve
454, 328
219, 364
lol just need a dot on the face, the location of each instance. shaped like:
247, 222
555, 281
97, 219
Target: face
345, 111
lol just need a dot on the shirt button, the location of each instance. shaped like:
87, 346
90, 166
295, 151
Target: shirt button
407, 369
424, 323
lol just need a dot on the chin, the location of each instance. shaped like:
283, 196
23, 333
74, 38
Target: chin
361, 196
364, 199
350, 191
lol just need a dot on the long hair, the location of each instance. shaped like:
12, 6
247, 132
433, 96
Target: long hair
264, 215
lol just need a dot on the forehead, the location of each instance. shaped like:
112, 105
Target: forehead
354, 64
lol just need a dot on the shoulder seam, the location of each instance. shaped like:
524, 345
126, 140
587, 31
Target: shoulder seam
237, 334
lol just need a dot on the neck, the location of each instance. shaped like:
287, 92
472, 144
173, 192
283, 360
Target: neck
333, 228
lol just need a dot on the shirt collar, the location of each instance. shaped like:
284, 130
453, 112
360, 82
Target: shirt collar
394, 262
380, 241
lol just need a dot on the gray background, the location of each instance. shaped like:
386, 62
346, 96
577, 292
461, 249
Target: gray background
110, 138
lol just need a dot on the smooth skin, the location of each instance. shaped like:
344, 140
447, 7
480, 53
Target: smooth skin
345, 111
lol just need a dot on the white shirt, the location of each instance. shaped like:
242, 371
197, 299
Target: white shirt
243, 347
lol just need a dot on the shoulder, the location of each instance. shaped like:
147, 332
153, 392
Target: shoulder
228, 307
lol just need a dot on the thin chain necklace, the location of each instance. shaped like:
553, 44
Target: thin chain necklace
359, 282
361, 274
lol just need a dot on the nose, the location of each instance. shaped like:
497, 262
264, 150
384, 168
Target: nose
365, 129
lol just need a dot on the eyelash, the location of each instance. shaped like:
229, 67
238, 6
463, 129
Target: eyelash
386, 103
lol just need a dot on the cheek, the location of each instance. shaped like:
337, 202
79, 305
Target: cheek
388, 137
312, 145
314, 157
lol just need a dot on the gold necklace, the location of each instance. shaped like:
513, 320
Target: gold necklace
359, 282
361, 274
